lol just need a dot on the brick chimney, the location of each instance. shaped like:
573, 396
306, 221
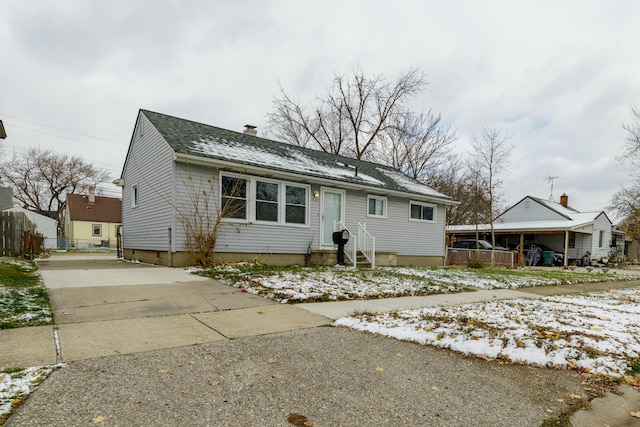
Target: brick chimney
250, 130
92, 196
564, 200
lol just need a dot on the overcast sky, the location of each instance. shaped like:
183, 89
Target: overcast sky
558, 76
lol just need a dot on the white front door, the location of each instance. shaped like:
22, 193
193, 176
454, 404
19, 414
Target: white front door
332, 211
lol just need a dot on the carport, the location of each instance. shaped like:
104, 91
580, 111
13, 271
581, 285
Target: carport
557, 235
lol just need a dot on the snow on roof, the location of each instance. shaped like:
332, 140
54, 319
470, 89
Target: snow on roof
290, 160
409, 184
197, 139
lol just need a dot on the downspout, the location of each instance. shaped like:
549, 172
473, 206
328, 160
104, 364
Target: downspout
566, 249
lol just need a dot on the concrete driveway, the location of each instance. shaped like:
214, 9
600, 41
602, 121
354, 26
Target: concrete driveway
105, 288
106, 307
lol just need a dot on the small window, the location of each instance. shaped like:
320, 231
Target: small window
422, 211
377, 206
601, 239
97, 229
134, 196
295, 205
572, 239
234, 197
267, 201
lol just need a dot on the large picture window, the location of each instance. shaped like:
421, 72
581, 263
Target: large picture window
422, 211
377, 206
264, 201
234, 197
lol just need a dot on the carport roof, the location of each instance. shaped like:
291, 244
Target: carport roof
523, 226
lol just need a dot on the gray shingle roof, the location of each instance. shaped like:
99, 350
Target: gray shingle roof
197, 139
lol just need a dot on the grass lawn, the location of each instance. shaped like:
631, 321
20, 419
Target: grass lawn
23, 302
312, 284
23, 299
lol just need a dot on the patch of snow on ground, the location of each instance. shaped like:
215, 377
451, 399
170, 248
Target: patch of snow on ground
598, 332
16, 386
338, 283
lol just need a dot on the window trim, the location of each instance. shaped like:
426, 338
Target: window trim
251, 199
93, 233
430, 205
307, 193
601, 239
277, 202
384, 206
135, 196
247, 214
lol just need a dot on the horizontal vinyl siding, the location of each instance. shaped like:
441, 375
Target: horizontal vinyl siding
534, 212
242, 237
149, 166
601, 224
396, 233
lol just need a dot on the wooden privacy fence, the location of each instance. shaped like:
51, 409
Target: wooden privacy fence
461, 257
18, 236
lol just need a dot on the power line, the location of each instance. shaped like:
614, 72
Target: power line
71, 139
57, 128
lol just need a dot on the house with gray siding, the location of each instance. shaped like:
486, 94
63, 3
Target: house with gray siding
278, 203
580, 236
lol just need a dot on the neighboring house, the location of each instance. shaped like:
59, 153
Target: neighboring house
46, 226
581, 236
92, 221
290, 199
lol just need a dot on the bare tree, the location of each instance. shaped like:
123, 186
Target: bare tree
626, 201
487, 162
349, 118
626, 204
453, 179
41, 178
418, 145
631, 149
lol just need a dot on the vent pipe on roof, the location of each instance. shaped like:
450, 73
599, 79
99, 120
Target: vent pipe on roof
250, 130
564, 200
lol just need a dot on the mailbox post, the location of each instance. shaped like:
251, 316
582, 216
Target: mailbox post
340, 238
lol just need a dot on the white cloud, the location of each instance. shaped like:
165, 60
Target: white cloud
558, 77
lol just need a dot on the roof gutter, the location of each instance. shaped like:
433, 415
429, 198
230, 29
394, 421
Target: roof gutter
203, 161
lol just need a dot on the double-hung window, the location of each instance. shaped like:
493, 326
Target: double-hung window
267, 197
420, 211
234, 197
295, 205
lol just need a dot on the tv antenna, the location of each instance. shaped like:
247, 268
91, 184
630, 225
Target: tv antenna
550, 179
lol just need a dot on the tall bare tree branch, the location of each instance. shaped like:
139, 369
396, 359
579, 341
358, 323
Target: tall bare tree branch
349, 118
41, 178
